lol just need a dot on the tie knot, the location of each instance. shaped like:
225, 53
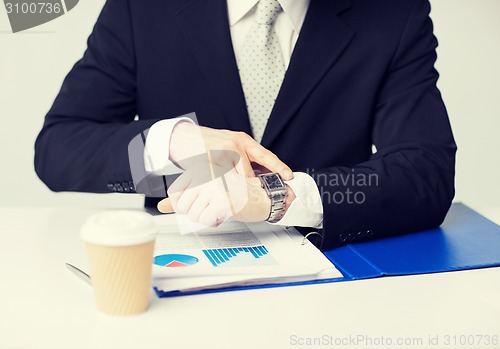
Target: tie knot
267, 11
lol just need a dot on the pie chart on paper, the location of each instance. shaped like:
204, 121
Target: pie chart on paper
175, 260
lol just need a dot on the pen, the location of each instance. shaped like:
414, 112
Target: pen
80, 273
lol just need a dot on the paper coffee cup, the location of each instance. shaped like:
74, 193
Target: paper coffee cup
120, 247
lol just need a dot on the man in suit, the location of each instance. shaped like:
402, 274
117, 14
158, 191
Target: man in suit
357, 115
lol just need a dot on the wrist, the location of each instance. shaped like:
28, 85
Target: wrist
277, 192
181, 141
263, 200
289, 198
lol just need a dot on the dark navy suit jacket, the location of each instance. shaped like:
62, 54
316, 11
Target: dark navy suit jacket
362, 73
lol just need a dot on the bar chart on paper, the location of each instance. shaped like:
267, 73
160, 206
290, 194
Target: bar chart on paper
252, 256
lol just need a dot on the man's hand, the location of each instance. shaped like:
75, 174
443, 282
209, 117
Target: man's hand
212, 201
219, 181
188, 141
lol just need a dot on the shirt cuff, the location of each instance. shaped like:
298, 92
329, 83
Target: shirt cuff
157, 147
307, 208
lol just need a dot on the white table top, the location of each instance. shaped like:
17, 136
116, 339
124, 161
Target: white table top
42, 305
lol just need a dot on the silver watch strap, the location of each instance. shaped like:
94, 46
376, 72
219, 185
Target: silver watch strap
278, 202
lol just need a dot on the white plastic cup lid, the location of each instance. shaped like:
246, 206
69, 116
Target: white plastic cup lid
119, 228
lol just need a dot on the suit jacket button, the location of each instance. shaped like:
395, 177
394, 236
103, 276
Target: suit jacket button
369, 232
111, 187
131, 187
351, 237
119, 187
342, 238
126, 187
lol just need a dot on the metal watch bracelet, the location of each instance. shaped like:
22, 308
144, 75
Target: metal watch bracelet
278, 202
277, 192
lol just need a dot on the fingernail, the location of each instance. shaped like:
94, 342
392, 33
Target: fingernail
288, 174
159, 208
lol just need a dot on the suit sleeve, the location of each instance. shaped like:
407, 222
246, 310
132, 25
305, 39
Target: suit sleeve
83, 145
408, 184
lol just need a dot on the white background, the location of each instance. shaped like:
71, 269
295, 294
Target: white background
34, 63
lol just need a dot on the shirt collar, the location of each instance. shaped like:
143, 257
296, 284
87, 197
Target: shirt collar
294, 9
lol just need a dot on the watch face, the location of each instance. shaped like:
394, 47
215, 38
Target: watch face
273, 181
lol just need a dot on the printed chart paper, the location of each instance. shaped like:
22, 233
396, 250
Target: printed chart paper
234, 254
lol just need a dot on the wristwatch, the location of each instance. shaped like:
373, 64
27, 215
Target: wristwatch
276, 190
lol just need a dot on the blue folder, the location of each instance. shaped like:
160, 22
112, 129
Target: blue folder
465, 240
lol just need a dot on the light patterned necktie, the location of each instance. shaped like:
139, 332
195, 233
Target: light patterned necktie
261, 66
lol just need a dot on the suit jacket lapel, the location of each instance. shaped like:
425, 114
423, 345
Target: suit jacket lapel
205, 26
322, 40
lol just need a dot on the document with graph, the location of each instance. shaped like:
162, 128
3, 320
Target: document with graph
234, 254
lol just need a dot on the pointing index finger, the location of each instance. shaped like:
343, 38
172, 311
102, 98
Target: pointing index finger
264, 157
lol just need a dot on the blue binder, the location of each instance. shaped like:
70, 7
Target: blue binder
465, 240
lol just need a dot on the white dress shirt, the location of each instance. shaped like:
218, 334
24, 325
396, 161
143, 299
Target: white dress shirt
307, 209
